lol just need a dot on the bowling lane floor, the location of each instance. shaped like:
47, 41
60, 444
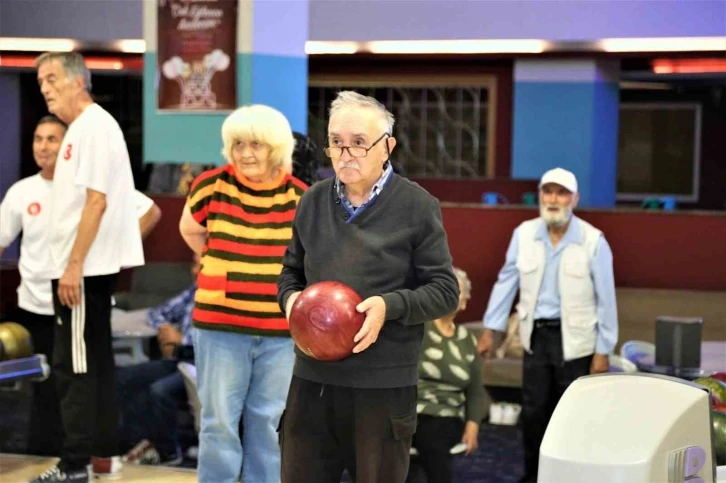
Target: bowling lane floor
498, 458
19, 468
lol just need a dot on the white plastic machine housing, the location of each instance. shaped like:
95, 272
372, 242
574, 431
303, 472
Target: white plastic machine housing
629, 428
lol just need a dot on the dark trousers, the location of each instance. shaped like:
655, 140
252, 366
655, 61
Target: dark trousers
546, 376
434, 438
85, 374
326, 429
150, 395
45, 435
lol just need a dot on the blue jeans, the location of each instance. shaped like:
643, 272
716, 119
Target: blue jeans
150, 394
246, 376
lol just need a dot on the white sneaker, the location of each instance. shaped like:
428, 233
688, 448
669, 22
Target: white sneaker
510, 414
496, 413
193, 452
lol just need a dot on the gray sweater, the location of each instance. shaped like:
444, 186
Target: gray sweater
396, 248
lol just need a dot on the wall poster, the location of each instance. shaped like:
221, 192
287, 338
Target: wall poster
196, 55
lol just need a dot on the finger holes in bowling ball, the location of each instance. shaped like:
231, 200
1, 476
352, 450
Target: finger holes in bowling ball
324, 320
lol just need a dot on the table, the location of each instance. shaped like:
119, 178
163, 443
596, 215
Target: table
713, 359
130, 330
713, 356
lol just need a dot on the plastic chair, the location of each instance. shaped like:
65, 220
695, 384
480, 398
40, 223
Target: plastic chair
493, 198
621, 364
651, 204
638, 352
667, 203
529, 199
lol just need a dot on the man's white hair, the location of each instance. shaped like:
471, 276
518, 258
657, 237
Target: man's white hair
263, 124
73, 65
465, 282
353, 99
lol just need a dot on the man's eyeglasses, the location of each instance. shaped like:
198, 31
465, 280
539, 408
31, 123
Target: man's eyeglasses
354, 151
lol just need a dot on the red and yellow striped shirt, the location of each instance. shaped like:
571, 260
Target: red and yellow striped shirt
249, 226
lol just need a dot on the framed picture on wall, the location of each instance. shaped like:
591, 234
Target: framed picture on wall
196, 55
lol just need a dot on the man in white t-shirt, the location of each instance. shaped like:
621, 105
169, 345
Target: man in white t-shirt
25, 208
93, 234
148, 212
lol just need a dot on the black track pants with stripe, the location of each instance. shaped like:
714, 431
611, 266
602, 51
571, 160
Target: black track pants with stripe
84, 370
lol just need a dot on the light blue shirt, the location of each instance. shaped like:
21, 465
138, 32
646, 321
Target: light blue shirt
377, 187
548, 301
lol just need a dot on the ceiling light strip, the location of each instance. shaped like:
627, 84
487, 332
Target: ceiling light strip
483, 46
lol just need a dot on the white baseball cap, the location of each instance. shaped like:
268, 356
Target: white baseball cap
561, 177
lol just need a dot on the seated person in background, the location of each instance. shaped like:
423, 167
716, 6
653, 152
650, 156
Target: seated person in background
511, 346
174, 178
151, 393
451, 399
305, 159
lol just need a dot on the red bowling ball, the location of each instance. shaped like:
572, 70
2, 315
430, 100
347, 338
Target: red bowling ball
323, 320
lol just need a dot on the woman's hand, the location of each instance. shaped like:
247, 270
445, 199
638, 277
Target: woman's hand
485, 346
471, 437
194, 234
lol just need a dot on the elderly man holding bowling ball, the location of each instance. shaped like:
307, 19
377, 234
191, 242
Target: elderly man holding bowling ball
239, 218
382, 236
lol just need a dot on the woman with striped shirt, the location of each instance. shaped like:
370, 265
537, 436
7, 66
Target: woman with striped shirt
239, 217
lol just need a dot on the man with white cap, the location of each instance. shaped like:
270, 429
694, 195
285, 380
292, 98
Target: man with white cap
563, 269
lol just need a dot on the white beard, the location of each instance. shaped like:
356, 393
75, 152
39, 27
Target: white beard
557, 218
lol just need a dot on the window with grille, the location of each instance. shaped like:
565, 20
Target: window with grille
441, 128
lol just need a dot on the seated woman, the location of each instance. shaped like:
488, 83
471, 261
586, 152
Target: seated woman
451, 397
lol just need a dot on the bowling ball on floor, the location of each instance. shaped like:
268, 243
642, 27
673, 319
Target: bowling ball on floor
323, 320
15, 341
717, 387
717, 405
719, 436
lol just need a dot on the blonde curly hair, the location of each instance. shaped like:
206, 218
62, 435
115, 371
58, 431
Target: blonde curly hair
263, 124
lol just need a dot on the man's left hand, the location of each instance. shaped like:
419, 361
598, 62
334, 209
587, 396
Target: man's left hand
168, 334
375, 310
600, 363
169, 337
69, 285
